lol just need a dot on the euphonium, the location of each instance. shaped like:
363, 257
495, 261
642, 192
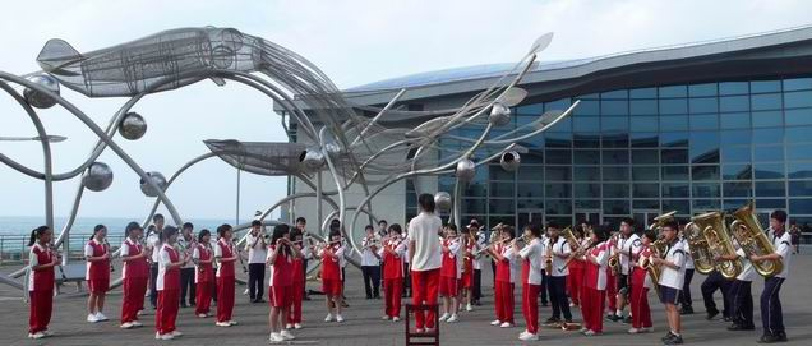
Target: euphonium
753, 241
718, 239
658, 250
698, 246
659, 221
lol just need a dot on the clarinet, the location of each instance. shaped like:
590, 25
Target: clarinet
107, 250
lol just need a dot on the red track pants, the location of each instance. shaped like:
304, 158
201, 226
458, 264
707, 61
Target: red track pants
392, 290
41, 305
295, 310
592, 307
225, 298
641, 312
134, 290
530, 306
167, 313
425, 285
611, 291
203, 297
504, 301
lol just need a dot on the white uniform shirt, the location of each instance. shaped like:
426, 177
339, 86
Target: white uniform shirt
534, 254
513, 261
196, 256
423, 230
673, 277
630, 245
154, 243
689, 259
125, 252
163, 262
603, 262
257, 253
782, 247
454, 248
480, 245
368, 258
218, 253
560, 248
406, 242
89, 253
187, 247
544, 242
748, 271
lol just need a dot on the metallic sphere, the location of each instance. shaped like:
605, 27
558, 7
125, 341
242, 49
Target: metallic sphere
500, 115
98, 178
312, 159
38, 99
159, 180
510, 161
466, 169
132, 126
442, 200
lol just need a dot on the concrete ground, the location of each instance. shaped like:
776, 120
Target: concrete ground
365, 327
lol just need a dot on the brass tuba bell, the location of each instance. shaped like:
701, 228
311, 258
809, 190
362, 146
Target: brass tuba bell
713, 229
753, 241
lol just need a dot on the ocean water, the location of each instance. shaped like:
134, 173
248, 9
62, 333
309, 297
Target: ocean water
14, 225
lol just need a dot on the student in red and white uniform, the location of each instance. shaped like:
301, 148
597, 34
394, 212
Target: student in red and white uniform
393, 252
41, 280
426, 257
135, 275
593, 302
576, 268
281, 255
170, 260
448, 275
331, 276
97, 252
531, 256
469, 252
203, 257
225, 256
611, 278
641, 312
505, 260
294, 319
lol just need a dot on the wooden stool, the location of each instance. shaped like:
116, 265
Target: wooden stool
432, 338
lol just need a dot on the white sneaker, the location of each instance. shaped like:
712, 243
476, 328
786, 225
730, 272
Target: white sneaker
287, 335
339, 319
137, 324
297, 325
395, 319
100, 317
418, 330
223, 324
525, 332
232, 322
38, 335
385, 318
429, 330
275, 338
495, 323
645, 330
176, 334
139, 312
92, 318
444, 317
529, 337
453, 319
127, 325
469, 308
167, 337
506, 325
202, 315
288, 326
329, 318
47, 333
633, 331
157, 336
245, 293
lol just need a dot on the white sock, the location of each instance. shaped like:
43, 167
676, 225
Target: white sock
619, 313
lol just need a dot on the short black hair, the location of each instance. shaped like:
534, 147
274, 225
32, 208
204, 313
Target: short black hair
553, 224
650, 235
629, 221
473, 223
130, 227
256, 223
671, 224
382, 222
395, 228
222, 229
169, 231
452, 227
204, 232
157, 217
535, 229
779, 215
300, 219
188, 225
369, 228
426, 202
601, 233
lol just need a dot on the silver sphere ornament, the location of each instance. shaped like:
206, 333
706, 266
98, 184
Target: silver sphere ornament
442, 200
98, 178
500, 115
39, 99
312, 159
510, 161
466, 169
132, 126
158, 179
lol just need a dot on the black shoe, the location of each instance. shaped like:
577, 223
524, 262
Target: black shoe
183, 306
552, 320
306, 297
376, 296
781, 338
568, 321
368, 297
686, 310
766, 339
627, 320
611, 317
712, 314
667, 336
674, 340
545, 303
741, 328
727, 319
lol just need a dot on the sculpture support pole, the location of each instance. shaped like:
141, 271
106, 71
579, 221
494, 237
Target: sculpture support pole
238, 198
457, 206
319, 192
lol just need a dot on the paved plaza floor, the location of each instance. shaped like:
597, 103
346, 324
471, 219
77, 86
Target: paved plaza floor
364, 326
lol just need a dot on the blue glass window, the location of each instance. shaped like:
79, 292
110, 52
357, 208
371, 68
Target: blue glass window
674, 139
645, 140
615, 190
473, 206
503, 189
557, 173
558, 140
738, 189
497, 173
708, 204
735, 120
772, 153
765, 102
530, 203
797, 84
530, 191
798, 99
674, 123
795, 117
645, 173
768, 136
646, 190
561, 105
643, 93
615, 157
671, 156
731, 205
616, 207
675, 172
502, 206
704, 122
585, 107
646, 204
674, 91
587, 157
734, 104
645, 124
708, 89
588, 203
614, 124
673, 106
558, 191
769, 189
531, 109
771, 203
617, 140
769, 170
681, 206
587, 191
765, 86
799, 134
643, 107
558, 206
737, 172
704, 147
584, 124
736, 154
733, 88
706, 191
645, 156
475, 189
800, 206
587, 141
767, 119
801, 188
586, 173
703, 105
563, 125
705, 172
798, 170
615, 173
615, 94
740, 137
615, 107
799, 152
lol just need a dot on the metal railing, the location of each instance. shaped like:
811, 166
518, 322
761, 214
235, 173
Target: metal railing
14, 248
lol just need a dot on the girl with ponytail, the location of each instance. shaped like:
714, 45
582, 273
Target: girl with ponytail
170, 260
135, 275
41, 282
97, 253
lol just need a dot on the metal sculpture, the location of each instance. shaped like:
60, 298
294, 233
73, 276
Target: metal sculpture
352, 149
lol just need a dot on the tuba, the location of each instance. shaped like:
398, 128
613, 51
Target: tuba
747, 231
659, 221
700, 251
718, 242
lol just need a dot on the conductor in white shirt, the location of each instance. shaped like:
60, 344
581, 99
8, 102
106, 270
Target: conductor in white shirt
426, 260
257, 253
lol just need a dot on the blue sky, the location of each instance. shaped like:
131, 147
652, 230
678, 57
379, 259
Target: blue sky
354, 42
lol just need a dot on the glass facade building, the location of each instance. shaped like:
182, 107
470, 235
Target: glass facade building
689, 148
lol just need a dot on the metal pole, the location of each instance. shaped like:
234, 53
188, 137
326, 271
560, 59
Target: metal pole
238, 197
319, 191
